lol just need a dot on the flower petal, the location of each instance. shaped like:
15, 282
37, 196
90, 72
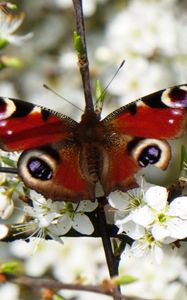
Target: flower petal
3, 231
178, 207
62, 227
87, 206
119, 200
82, 224
143, 216
159, 232
156, 197
158, 254
133, 230
139, 249
177, 228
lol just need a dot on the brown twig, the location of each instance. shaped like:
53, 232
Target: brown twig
39, 283
8, 170
83, 60
112, 261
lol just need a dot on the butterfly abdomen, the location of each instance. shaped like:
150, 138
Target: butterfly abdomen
90, 162
93, 163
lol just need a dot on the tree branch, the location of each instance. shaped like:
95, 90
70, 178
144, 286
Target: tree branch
39, 283
112, 261
8, 170
83, 59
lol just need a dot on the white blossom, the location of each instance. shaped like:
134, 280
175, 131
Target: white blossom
55, 218
3, 231
154, 281
6, 203
8, 25
148, 218
74, 216
167, 223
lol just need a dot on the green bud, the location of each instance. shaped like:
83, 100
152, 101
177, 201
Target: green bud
9, 162
3, 43
58, 297
78, 44
126, 279
12, 267
100, 95
11, 61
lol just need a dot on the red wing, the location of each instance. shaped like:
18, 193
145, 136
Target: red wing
119, 169
161, 115
50, 163
24, 125
136, 135
56, 173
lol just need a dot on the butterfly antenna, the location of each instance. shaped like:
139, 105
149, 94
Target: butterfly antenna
61, 97
115, 74
100, 99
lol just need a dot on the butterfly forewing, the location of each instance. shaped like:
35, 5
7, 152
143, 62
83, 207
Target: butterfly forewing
24, 125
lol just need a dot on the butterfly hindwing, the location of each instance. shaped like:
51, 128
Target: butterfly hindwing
55, 172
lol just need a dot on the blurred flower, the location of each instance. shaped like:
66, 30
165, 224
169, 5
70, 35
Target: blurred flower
154, 281
6, 203
9, 291
127, 34
8, 25
3, 231
89, 7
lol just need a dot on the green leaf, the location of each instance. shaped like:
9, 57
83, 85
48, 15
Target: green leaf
11, 5
120, 248
11, 61
13, 267
125, 279
100, 96
58, 297
7, 161
3, 43
98, 89
78, 44
115, 245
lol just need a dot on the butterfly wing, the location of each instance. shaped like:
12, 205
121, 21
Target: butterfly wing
50, 160
137, 132
24, 125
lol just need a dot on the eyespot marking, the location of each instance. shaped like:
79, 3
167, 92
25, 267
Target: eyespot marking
152, 151
7, 108
175, 97
39, 169
149, 155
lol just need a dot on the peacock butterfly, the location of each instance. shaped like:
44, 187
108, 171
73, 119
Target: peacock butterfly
63, 159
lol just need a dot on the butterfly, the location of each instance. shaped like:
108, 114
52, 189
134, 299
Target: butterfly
63, 159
